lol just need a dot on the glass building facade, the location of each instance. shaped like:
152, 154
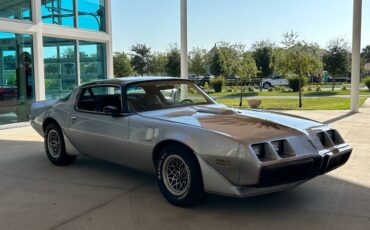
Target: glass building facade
47, 47
84, 14
16, 9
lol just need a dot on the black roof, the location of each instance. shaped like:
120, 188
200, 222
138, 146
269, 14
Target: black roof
127, 80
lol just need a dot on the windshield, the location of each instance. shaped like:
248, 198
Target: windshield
156, 95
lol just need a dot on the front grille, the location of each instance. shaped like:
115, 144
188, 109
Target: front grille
300, 170
284, 173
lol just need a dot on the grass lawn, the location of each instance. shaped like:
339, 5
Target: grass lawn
278, 93
292, 104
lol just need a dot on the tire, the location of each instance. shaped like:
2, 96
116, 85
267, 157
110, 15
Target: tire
266, 85
190, 192
55, 147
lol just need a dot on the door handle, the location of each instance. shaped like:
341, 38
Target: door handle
74, 118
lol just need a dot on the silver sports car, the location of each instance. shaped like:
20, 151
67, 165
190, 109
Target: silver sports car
194, 145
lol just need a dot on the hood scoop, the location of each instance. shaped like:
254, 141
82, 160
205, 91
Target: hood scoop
216, 111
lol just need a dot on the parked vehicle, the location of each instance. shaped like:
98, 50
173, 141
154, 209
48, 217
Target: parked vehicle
274, 81
344, 78
8, 98
314, 79
193, 144
199, 80
8, 91
233, 80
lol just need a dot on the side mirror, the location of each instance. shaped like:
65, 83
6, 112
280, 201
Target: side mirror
113, 110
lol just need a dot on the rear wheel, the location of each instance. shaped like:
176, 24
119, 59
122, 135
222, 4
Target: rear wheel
55, 146
179, 176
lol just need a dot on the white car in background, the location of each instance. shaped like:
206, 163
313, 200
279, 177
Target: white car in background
274, 81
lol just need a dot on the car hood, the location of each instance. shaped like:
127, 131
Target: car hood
251, 125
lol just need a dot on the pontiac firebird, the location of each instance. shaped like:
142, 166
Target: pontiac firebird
194, 146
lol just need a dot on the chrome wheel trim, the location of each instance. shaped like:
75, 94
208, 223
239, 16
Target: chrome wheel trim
54, 143
176, 175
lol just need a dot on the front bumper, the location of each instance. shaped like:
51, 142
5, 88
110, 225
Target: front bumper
277, 177
301, 170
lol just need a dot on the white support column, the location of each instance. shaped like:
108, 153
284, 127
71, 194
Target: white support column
184, 39
78, 62
109, 46
184, 45
356, 58
38, 62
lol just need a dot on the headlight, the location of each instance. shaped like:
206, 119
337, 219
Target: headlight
259, 150
321, 136
335, 137
278, 146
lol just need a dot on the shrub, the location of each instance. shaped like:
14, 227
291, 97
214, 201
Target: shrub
309, 89
318, 88
367, 82
344, 88
218, 83
206, 86
294, 83
251, 89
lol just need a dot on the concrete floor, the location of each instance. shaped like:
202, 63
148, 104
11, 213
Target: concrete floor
92, 194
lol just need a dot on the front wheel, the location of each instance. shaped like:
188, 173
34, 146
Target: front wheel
179, 176
267, 85
55, 146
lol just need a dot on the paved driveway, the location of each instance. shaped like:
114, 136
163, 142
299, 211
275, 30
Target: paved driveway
93, 194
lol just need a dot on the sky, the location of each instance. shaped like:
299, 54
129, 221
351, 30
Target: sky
156, 23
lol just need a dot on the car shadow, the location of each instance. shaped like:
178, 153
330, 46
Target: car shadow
335, 119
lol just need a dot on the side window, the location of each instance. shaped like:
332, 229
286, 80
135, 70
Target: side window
95, 98
135, 95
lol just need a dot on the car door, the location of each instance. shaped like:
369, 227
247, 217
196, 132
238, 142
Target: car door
95, 132
277, 80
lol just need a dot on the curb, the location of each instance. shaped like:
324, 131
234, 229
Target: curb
15, 125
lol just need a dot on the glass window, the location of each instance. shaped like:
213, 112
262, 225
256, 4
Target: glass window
60, 66
92, 61
150, 96
59, 12
20, 9
91, 14
95, 99
16, 77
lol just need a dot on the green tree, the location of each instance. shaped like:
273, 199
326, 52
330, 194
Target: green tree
213, 61
69, 53
247, 69
234, 61
173, 65
121, 65
262, 54
297, 57
157, 64
231, 57
198, 61
365, 58
337, 59
140, 58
